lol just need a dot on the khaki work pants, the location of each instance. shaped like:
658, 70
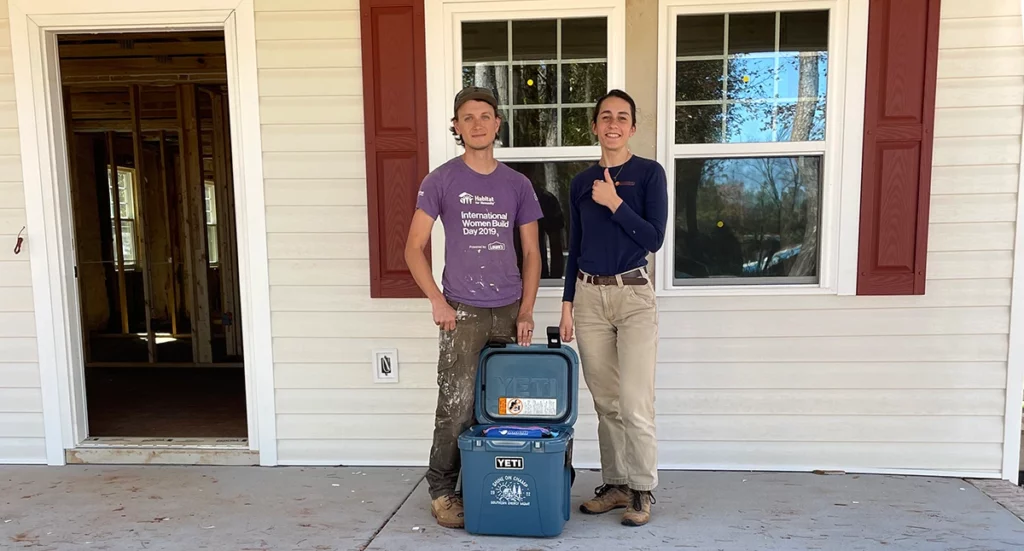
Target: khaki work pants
617, 330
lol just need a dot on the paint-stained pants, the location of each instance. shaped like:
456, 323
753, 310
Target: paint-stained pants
617, 332
456, 380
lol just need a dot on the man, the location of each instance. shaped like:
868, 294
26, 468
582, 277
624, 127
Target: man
481, 203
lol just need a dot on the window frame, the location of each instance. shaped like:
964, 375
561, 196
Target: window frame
210, 195
444, 56
840, 151
133, 264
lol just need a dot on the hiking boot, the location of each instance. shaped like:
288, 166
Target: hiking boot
639, 511
606, 498
448, 511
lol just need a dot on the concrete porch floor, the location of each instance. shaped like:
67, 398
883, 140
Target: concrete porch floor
328, 509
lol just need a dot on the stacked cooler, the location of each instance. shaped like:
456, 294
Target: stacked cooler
517, 460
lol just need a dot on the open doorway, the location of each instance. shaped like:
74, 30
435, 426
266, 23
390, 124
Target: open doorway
155, 240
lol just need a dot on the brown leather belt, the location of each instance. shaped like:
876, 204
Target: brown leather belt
634, 277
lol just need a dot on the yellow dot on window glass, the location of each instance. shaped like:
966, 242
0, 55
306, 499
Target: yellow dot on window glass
529, 82
720, 223
746, 78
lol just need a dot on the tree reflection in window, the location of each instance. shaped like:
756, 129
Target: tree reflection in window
744, 80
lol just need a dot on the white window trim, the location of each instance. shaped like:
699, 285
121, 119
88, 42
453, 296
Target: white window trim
1015, 356
443, 48
47, 198
128, 266
209, 189
840, 194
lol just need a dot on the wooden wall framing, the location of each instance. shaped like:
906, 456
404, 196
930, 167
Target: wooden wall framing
167, 92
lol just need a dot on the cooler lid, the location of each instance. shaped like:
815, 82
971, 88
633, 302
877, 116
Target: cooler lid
528, 385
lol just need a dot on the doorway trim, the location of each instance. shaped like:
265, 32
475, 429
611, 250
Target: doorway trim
34, 27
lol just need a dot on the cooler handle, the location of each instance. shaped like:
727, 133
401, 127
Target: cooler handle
507, 445
554, 339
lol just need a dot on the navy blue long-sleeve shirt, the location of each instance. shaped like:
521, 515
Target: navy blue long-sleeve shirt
602, 243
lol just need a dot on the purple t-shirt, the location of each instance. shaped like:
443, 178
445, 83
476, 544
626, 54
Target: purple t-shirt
480, 214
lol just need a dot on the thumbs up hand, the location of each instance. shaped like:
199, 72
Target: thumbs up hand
604, 192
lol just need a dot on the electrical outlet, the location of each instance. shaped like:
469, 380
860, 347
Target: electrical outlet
385, 366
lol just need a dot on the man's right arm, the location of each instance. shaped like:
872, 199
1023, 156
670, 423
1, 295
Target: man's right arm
416, 259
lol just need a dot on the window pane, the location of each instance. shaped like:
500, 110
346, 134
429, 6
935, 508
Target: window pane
213, 254
535, 84
211, 203
125, 198
127, 240
494, 77
535, 127
584, 82
539, 70
801, 121
585, 38
551, 182
535, 40
740, 220
696, 124
485, 41
124, 202
700, 35
576, 124
805, 31
751, 77
774, 92
751, 33
124, 193
803, 77
750, 122
503, 136
699, 80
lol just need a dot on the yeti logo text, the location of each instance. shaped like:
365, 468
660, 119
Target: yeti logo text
506, 463
496, 246
466, 198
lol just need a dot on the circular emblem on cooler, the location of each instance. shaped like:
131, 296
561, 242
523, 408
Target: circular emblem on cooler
510, 490
515, 406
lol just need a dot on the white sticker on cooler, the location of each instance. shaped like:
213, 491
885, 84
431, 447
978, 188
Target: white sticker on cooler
529, 407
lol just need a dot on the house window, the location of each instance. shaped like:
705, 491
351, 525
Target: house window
748, 147
125, 203
547, 74
547, 71
210, 205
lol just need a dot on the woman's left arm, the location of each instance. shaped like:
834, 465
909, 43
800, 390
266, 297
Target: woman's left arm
649, 230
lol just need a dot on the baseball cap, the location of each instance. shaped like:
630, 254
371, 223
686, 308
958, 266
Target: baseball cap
478, 93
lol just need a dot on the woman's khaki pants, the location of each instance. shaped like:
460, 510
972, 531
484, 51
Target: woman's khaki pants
617, 332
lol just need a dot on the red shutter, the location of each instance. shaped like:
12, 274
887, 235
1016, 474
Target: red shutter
903, 38
395, 108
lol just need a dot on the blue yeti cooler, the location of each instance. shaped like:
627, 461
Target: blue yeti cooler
517, 460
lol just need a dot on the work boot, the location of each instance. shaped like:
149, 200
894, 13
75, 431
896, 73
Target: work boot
606, 498
639, 511
448, 511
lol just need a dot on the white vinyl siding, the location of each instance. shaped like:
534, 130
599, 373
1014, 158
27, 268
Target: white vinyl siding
21, 400
311, 111
773, 382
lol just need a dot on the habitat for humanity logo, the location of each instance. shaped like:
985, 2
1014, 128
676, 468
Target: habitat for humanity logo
467, 198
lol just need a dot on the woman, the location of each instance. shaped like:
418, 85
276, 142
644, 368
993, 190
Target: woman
618, 214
